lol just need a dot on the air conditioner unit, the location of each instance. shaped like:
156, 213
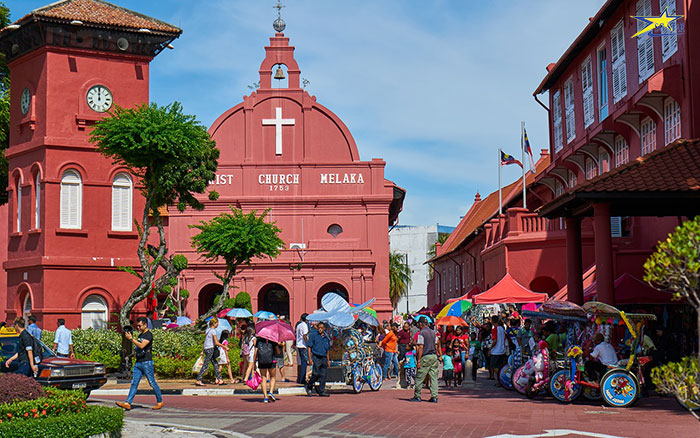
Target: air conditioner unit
297, 246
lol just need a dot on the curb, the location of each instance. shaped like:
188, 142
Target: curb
298, 390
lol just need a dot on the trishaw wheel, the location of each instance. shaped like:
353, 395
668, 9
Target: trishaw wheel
375, 381
506, 377
514, 380
558, 387
619, 388
591, 393
357, 381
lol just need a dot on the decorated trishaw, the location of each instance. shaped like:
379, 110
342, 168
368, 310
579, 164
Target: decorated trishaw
620, 386
358, 357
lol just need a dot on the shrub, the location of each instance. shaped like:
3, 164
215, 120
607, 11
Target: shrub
681, 379
242, 301
94, 420
15, 387
110, 360
56, 402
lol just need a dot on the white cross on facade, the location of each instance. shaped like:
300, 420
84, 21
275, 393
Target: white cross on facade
278, 121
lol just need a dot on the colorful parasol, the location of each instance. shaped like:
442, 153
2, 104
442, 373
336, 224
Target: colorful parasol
458, 308
275, 331
452, 320
561, 307
222, 313
263, 314
237, 312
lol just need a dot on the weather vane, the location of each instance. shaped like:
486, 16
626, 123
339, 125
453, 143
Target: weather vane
279, 24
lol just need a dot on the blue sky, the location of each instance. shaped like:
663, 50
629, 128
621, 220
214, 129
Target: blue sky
432, 87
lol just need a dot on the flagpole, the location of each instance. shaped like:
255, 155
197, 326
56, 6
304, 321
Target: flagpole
522, 149
500, 203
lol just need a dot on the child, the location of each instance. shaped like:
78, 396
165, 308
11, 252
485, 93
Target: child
474, 354
457, 363
410, 366
447, 367
248, 350
223, 356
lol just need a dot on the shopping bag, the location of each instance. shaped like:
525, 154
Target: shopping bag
198, 364
254, 381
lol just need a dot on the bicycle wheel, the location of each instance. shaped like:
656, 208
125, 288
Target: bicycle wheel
505, 376
357, 380
619, 388
517, 374
375, 379
558, 387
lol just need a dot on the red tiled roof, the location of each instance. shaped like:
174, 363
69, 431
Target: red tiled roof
484, 210
101, 13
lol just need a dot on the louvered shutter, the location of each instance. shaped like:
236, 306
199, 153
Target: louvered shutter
18, 192
669, 41
619, 69
587, 91
645, 43
616, 226
121, 203
37, 203
569, 110
70, 200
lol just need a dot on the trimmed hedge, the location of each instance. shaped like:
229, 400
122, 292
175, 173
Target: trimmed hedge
94, 420
57, 402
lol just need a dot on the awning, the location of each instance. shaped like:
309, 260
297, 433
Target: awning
509, 291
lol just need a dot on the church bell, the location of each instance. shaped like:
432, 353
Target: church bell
279, 74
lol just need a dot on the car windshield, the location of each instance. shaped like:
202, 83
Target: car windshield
8, 347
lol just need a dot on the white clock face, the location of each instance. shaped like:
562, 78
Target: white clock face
25, 101
99, 98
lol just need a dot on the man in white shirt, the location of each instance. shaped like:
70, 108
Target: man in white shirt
602, 355
302, 332
63, 341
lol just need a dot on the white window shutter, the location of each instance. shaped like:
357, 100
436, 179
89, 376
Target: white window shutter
37, 202
587, 90
645, 43
121, 203
18, 191
669, 43
619, 69
616, 226
71, 199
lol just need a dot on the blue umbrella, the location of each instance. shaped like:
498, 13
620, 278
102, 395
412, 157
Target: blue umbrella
239, 313
223, 325
262, 314
426, 317
183, 320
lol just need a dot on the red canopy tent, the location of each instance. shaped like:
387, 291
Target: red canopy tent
468, 296
509, 291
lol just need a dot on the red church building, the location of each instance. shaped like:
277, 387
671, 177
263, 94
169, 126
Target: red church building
70, 210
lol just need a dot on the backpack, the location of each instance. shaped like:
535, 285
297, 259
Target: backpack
266, 352
37, 348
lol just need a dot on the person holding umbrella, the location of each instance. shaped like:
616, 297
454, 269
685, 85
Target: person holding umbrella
270, 334
319, 345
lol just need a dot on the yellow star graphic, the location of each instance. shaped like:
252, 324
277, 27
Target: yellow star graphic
664, 20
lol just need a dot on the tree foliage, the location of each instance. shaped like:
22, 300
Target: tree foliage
675, 265
4, 109
242, 301
399, 277
235, 238
174, 159
680, 379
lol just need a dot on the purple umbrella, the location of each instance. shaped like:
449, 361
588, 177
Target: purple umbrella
275, 331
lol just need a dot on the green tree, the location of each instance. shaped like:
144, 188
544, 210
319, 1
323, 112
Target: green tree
675, 265
399, 277
442, 237
172, 156
236, 238
242, 301
4, 109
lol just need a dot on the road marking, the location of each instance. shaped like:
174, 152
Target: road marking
556, 432
278, 425
183, 426
321, 424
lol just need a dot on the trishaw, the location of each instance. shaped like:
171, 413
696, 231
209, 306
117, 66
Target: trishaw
359, 362
620, 386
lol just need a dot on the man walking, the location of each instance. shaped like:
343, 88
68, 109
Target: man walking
34, 329
318, 345
427, 360
302, 332
24, 354
143, 365
63, 341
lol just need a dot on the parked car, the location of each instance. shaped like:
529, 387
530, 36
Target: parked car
59, 372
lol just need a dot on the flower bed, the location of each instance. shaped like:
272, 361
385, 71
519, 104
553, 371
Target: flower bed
54, 403
93, 420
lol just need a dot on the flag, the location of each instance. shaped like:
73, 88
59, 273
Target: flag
528, 151
509, 159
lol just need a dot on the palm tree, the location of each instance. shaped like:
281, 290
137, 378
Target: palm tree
399, 277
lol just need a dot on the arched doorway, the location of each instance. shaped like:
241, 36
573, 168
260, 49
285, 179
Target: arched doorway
331, 287
544, 284
27, 306
274, 298
206, 297
94, 313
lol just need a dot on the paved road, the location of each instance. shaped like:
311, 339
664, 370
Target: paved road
477, 411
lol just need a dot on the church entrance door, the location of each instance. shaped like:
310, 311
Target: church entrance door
332, 287
207, 295
274, 298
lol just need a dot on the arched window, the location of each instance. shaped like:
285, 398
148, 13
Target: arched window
18, 201
591, 169
334, 230
603, 160
672, 120
94, 313
572, 179
121, 202
622, 151
648, 135
559, 188
37, 202
27, 306
71, 199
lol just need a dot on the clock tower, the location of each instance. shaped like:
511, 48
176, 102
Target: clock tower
70, 210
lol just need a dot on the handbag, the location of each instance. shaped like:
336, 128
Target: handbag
198, 364
254, 381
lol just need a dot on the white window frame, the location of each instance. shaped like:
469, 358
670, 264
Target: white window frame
669, 41
18, 204
71, 180
645, 43
556, 122
602, 56
591, 168
559, 188
94, 310
572, 179
37, 201
569, 110
587, 92
603, 160
619, 67
672, 120
122, 202
622, 151
648, 135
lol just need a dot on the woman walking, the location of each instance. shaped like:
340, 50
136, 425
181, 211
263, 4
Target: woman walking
265, 355
210, 353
